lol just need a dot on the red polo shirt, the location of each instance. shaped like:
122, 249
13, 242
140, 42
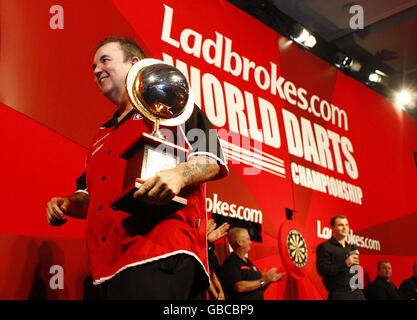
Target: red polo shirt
117, 240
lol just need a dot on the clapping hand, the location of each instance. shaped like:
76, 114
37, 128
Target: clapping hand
272, 276
214, 234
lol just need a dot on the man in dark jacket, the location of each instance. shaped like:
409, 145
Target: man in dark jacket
338, 263
382, 288
408, 287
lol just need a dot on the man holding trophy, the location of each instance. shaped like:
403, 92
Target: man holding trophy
143, 192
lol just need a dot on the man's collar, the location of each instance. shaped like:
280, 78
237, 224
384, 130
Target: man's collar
239, 257
113, 121
335, 241
382, 278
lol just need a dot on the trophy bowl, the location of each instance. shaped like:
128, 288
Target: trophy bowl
160, 92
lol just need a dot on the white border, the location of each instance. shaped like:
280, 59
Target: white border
138, 263
81, 190
185, 137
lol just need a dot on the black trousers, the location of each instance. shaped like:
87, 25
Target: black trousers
179, 277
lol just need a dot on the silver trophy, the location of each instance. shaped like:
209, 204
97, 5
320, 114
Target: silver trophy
161, 93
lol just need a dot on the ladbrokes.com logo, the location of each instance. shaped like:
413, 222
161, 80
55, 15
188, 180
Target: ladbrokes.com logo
360, 241
232, 210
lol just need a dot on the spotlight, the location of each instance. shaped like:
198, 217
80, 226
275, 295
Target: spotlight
302, 36
355, 66
403, 97
311, 41
347, 61
378, 76
343, 61
382, 74
374, 77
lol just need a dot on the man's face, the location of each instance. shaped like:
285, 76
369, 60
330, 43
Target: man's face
385, 270
110, 70
244, 241
341, 228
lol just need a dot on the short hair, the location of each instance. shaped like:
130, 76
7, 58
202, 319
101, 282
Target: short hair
128, 45
333, 219
234, 235
381, 262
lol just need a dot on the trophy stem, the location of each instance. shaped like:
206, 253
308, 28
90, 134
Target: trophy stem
156, 132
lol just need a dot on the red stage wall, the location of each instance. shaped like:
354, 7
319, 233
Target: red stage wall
298, 135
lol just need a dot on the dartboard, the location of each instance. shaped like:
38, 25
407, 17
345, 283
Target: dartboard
297, 248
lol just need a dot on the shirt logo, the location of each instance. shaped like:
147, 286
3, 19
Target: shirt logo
137, 116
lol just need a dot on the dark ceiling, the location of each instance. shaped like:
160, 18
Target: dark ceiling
388, 41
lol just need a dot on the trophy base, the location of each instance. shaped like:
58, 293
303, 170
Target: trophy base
127, 203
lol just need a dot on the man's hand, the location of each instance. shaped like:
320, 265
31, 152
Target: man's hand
272, 276
352, 259
161, 188
166, 184
279, 276
221, 296
267, 276
56, 209
211, 226
214, 234
75, 206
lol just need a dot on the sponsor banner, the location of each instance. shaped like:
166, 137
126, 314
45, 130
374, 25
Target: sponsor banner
233, 210
359, 240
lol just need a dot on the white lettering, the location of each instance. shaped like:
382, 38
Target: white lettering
57, 280
255, 133
57, 20
217, 46
228, 56
166, 27
214, 100
185, 37
219, 52
292, 131
357, 20
269, 123
310, 148
232, 210
351, 167
266, 80
235, 109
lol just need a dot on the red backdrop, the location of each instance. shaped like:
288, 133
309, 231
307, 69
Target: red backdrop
282, 103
